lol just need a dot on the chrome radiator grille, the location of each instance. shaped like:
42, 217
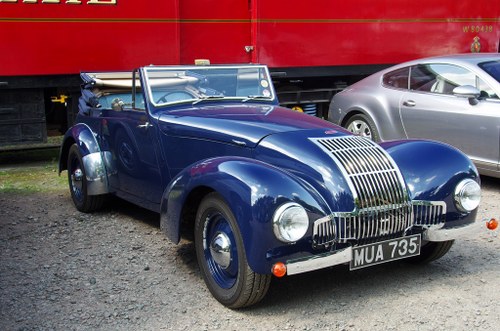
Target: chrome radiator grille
373, 177
427, 213
383, 208
363, 227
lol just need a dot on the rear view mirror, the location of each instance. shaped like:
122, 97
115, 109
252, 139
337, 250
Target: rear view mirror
469, 92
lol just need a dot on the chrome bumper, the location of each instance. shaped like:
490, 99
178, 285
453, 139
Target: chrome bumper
330, 259
440, 234
319, 261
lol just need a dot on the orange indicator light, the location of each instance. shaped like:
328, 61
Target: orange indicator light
279, 269
492, 224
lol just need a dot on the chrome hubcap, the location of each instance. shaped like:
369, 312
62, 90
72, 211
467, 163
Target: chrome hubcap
77, 175
77, 181
220, 248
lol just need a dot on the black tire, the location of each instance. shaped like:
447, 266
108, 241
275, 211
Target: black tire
226, 272
432, 251
364, 126
77, 180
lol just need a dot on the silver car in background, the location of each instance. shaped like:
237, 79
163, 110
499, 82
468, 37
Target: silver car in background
453, 99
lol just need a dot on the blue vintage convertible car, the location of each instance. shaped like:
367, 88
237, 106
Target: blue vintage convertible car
262, 190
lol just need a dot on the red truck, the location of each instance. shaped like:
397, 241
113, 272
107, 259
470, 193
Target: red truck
313, 48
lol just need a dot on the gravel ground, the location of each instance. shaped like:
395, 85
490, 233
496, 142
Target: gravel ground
114, 270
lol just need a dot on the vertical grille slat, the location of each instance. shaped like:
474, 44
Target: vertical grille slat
383, 207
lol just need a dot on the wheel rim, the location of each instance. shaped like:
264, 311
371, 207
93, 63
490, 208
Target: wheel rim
76, 179
360, 128
220, 250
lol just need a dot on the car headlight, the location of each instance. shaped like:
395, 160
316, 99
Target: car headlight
467, 195
290, 222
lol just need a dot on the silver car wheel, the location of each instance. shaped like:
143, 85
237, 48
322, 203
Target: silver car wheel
362, 125
360, 128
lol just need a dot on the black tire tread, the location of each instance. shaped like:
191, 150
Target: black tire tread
432, 251
90, 203
254, 286
255, 290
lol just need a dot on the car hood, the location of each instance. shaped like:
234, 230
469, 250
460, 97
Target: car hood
243, 125
300, 154
276, 136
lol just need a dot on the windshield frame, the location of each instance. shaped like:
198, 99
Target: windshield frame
208, 94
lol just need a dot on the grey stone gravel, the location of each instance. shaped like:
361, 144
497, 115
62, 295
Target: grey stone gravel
114, 270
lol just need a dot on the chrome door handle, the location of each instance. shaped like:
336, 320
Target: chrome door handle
409, 103
145, 125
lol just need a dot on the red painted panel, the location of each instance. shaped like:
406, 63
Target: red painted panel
60, 38
329, 32
56, 38
217, 30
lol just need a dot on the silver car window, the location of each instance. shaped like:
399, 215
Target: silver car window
486, 90
492, 68
397, 78
440, 78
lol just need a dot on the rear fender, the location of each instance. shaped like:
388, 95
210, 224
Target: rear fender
96, 163
252, 189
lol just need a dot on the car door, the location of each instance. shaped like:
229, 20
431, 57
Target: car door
131, 140
429, 110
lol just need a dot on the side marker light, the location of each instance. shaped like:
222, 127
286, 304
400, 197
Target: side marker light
279, 269
492, 224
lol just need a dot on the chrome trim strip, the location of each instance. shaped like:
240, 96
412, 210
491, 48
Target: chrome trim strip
319, 261
95, 170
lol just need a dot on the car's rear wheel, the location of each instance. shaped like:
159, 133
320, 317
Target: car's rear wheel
78, 185
432, 251
363, 125
222, 258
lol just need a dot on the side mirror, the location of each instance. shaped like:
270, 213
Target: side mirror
469, 92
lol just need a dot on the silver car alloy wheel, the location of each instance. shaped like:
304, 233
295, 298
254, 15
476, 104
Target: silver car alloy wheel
360, 128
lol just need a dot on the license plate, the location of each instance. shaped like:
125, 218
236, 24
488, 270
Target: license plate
385, 251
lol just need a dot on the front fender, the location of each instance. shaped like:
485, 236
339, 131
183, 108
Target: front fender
432, 170
96, 163
253, 190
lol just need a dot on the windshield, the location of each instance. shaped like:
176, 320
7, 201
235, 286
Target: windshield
492, 68
194, 84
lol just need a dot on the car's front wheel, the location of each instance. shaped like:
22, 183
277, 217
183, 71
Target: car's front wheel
222, 258
363, 125
78, 185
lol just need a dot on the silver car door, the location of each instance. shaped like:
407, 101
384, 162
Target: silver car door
433, 112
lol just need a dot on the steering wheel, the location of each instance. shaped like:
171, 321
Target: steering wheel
175, 96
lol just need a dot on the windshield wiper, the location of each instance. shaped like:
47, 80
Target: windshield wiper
209, 97
256, 97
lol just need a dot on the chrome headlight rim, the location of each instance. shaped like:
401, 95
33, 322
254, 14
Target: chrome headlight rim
300, 222
467, 195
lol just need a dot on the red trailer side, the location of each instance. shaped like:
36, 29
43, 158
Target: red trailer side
330, 33
364, 32
66, 37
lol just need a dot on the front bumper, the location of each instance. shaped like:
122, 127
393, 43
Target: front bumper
343, 256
